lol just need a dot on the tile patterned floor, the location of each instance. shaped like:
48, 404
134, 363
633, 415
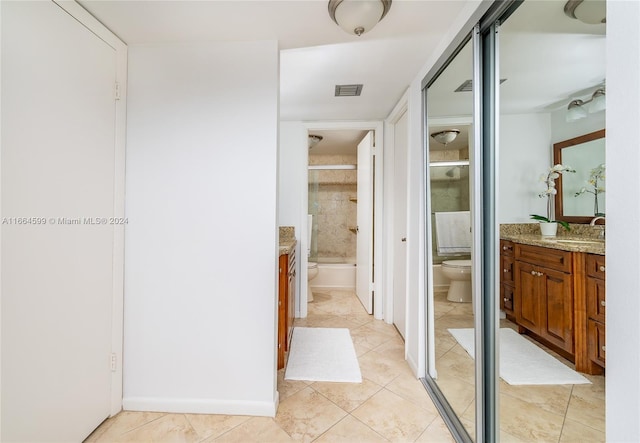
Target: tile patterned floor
390, 405
558, 413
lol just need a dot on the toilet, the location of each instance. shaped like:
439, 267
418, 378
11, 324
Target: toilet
459, 272
312, 272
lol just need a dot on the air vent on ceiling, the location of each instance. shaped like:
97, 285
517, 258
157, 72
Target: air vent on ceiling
348, 90
467, 85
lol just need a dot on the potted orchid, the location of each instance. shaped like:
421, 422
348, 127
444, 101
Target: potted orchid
596, 180
549, 227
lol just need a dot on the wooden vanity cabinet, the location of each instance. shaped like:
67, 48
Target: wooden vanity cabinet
596, 306
507, 283
286, 303
543, 301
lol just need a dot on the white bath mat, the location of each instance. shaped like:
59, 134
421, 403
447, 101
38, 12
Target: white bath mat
522, 362
323, 354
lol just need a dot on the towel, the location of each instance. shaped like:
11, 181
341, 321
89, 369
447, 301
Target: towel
453, 233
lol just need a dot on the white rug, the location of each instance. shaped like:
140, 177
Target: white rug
522, 362
323, 354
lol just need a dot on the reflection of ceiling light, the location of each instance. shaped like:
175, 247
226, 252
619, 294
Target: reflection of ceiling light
445, 137
576, 109
358, 16
592, 12
314, 140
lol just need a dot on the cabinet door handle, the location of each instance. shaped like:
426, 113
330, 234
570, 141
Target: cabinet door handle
403, 239
604, 348
602, 268
533, 272
506, 299
504, 248
505, 270
539, 274
603, 303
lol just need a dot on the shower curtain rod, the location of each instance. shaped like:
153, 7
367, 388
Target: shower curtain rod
329, 167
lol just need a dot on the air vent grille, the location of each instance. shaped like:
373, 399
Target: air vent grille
467, 86
348, 90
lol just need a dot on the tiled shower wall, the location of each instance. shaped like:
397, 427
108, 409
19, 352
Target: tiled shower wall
332, 201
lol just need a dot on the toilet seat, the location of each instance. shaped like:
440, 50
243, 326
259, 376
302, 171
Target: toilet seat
457, 263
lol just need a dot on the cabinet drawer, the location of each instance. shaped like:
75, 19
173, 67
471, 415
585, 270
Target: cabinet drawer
596, 345
506, 298
596, 266
596, 300
506, 269
547, 257
506, 247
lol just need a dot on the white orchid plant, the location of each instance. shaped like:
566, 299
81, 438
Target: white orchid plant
596, 180
549, 179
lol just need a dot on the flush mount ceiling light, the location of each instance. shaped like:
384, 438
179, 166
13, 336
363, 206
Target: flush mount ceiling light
445, 137
592, 12
358, 16
314, 140
576, 109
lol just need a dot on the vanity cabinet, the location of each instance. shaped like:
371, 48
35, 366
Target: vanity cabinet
543, 301
286, 303
507, 283
596, 306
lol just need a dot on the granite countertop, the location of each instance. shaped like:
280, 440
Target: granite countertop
581, 238
287, 239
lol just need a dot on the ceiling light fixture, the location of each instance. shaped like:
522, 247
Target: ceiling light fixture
358, 16
314, 140
445, 137
592, 12
576, 109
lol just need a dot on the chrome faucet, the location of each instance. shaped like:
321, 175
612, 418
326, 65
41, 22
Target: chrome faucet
593, 223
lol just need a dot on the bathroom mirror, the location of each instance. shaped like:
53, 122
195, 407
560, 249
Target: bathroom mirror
581, 195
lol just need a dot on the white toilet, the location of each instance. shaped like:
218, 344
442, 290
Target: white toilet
312, 272
459, 272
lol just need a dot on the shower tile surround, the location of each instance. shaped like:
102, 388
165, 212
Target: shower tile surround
332, 202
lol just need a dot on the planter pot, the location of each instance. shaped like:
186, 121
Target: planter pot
548, 229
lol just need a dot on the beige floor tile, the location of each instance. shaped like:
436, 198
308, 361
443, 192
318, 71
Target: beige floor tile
553, 398
457, 363
394, 417
351, 430
207, 425
595, 390
368, 337
307, 414
381, 368
169, 428
436, 432
121, 423
286, 388
459, 393
574, 432
529, 422
347, 396
256, 429
393, 348
385, 328
587, 410
410, 388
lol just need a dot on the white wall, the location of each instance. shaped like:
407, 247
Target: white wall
292, 184
623, 219
201, 243
562, 130
525, 154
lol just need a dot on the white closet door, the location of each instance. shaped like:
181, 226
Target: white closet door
58, 146
364, 247
400, 144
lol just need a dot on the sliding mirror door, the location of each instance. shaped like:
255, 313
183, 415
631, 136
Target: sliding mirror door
450, 139
549, 391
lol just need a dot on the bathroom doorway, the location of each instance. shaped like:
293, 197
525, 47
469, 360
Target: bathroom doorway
332, 199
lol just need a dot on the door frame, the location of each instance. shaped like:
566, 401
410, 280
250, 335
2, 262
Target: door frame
378, 275
117, 312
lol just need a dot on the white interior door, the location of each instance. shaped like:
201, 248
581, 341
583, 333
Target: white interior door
400, 225
364, 253
58, 148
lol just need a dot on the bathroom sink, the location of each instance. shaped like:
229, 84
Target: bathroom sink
576, 241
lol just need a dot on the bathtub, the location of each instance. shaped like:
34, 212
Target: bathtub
335, 273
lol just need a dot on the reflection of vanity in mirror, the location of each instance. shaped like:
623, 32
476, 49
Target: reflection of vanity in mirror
578, 200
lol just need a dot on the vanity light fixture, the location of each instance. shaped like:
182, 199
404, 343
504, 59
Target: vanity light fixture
358, 16
592, 12
445, 137
314, 140
576, 109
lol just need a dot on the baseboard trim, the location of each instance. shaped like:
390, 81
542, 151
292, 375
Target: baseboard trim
202, 406
413, 365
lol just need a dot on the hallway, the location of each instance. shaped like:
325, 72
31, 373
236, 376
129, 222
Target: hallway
389, 405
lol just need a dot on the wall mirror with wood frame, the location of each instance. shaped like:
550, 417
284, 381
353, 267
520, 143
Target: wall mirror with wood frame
581, 195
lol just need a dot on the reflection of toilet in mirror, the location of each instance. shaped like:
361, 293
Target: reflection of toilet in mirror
453, 238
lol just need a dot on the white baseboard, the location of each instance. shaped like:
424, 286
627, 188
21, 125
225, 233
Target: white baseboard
413, 365
202, 406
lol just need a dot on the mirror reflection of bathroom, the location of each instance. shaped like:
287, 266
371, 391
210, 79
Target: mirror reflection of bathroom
332, 212
450, 107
